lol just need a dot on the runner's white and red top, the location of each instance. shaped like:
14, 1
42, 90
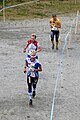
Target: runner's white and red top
31, 46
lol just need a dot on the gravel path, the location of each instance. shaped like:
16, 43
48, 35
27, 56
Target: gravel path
13, 90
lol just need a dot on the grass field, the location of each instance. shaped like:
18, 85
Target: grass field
40, 9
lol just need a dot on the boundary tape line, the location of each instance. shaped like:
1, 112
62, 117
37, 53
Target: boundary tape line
18, 5
59, 70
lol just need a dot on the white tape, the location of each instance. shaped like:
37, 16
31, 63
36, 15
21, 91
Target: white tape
18, 5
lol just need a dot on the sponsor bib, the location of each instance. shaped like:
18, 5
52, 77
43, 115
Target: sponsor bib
54, 28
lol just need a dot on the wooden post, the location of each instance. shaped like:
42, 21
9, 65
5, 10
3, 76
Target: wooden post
75, 1
4, 10
76, 26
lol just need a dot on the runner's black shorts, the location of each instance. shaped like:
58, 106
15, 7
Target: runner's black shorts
56, 34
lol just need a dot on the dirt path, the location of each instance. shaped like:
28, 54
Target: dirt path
13, 91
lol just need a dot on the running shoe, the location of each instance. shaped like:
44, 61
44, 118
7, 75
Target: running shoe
34, 93
53, 47
30, 102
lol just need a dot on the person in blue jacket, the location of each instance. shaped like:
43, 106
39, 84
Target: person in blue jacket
32, 67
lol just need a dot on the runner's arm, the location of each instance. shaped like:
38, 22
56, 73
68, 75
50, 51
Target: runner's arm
25, 48
28, 42
39, 69
38, 49
58, 25
51, 24
25, 66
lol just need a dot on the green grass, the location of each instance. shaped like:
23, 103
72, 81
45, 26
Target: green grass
41, 9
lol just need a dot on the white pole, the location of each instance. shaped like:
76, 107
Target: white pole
76, 27
4, 10
68, 46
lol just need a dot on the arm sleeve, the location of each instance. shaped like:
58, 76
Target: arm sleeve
37, 65
38, 45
